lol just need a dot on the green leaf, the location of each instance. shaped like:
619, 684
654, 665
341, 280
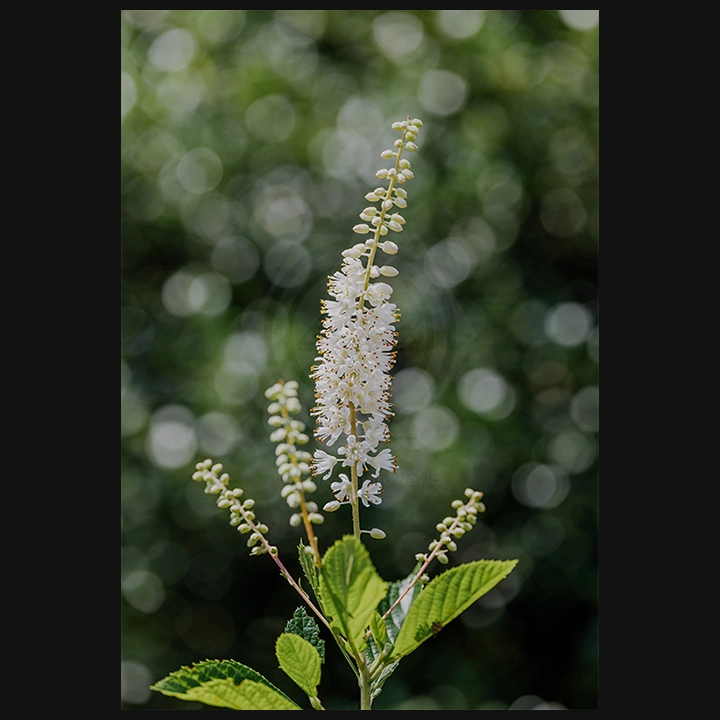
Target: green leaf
350, 589
300, 661
377, 627
305, 626
227, 684
308, 566
445, 597
393, 622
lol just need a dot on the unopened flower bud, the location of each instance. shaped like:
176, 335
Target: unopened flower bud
388, 271
382, 173
389, 247
332, 506
377, 533
361, 229
411, 146
387, 154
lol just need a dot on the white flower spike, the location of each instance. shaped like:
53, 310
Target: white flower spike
356, 347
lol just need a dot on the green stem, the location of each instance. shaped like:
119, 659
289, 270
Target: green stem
354, 479
365, 695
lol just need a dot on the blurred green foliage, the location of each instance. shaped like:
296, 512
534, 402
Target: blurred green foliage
249, 139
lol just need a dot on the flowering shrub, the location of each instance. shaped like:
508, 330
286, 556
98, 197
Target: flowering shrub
374, 623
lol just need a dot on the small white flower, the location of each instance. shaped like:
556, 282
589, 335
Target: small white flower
355, 454
384, 460
324, 463
369, 493
342, 489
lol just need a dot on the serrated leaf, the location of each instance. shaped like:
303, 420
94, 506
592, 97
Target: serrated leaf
350, 589
305, 626
445, 597
309, 569
227, 684
393, 622
300, 661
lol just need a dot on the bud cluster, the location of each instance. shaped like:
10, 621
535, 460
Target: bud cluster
293, 464
241, 513
452, 528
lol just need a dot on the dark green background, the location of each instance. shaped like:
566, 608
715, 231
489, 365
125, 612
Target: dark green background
248, 140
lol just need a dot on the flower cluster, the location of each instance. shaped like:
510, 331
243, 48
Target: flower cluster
452, 528
352, 381
241, 514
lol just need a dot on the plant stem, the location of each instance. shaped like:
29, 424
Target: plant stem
365, 694
354, 479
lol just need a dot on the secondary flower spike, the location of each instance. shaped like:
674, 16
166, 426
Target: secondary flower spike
356, 347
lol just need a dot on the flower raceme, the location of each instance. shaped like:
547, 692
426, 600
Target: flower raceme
356, 346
